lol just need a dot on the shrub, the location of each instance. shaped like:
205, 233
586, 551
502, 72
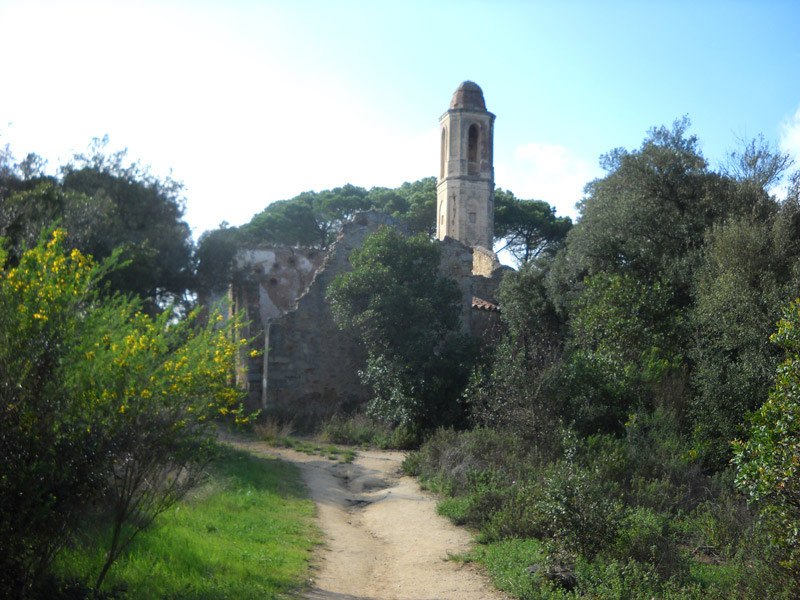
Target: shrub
101, 406
449, 456
515, 393
663, 474
768, 462
581, 507
355, 430
649, 537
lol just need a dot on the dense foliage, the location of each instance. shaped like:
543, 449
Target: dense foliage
527, 228
408, 318
105, 205
635, 349
105, 412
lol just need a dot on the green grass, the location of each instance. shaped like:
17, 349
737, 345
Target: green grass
247, 533
507, 563
343, 455
454, 508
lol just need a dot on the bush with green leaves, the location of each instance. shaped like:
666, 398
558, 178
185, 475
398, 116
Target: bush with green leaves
105, 412
749, 274
624, 340
768, 461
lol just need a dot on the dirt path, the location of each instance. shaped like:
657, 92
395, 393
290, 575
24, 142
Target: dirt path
383, 538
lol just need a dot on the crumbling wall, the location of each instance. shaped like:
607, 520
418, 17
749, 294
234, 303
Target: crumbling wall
266, 283
311, 366
484, 261
487, 273
281, 274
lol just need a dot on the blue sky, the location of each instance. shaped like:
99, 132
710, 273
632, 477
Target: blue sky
252, 102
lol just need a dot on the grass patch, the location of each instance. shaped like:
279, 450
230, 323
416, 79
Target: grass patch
247, 533
343, 455
360, 430
508, 562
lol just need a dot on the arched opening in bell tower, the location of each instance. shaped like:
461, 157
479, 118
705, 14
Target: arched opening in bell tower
472, 149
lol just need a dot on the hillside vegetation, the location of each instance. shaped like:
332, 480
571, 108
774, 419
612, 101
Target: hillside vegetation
633, 434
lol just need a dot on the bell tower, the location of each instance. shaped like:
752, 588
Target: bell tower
465, 188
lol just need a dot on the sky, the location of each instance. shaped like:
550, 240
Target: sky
249, 102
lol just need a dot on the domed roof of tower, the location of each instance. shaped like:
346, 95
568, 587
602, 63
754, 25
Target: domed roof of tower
468, 95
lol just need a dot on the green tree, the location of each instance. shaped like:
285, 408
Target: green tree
768, 462
407, 316
527, 228
388, 201
310, 219
216, 250
146, 222
421, 214
748, 272
624, 339
104, 203
648, 216
289, 222
334, 207
24, 214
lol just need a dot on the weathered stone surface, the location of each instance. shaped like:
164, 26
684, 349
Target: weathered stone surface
310, 367
465, 189
281, 273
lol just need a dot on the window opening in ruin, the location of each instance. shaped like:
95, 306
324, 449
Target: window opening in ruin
472, 149
472, 217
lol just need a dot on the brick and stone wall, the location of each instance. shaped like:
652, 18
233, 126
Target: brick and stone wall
310, 367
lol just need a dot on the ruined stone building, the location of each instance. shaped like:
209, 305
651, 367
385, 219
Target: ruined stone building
309, 366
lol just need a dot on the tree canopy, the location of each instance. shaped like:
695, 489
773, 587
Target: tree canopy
527, 228
105, 204
407, 317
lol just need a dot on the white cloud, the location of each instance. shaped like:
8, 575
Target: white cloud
790, 136
547, 172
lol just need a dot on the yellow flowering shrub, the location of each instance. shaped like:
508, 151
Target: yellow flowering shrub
98, 402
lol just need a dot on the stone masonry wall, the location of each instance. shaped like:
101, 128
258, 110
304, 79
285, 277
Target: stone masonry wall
456, 264
267, 283
311, 366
